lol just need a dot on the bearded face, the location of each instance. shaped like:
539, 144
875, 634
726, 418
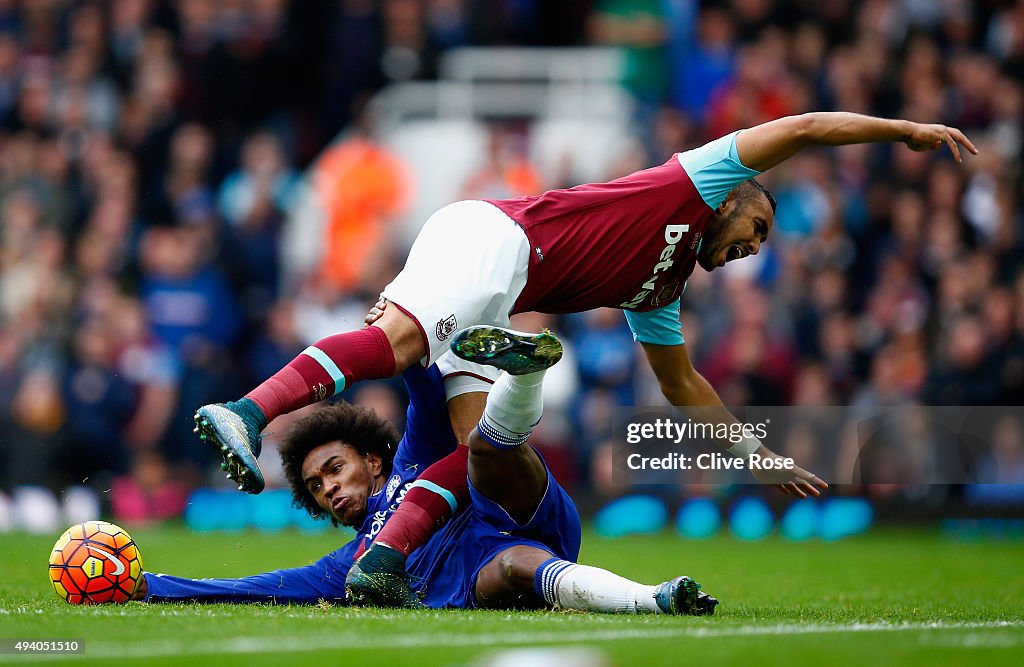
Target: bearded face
738, 230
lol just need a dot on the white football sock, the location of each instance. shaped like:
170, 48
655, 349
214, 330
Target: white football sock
573, 586
514, 406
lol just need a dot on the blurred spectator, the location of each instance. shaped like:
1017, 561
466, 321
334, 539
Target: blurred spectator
606, 356
100, 402
264, 180
253, 201
757, 91
152, 369
1001, 472
187, 193
188, 303
964, 373
276, 344
159, 251
407, 53
191, 309
447, 23
148, 493
355, 190
705, 61
639, 27
9, 78
506, 171
751, 363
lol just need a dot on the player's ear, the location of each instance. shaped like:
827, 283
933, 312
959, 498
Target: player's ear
376, 464
726, 203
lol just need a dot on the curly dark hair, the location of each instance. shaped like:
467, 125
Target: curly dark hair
359, 427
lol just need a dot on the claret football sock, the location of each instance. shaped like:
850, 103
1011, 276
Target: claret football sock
429, 503
324, 369
514, 406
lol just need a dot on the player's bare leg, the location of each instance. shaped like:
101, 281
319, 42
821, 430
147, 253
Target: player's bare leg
525, 577
512, 475
507, 581
500, 467
378, 577
324, 369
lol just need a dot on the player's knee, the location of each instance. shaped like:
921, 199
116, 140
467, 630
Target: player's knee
518, 565
508, 568
506, 582
479, 446
464, 411
404, 335
489, 465
515, 456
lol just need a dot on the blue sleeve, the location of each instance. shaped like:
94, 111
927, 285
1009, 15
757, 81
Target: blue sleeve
324, 579
715, 169
659, 326
428, 429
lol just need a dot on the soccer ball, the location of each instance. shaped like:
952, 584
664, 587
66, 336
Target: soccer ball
95, 562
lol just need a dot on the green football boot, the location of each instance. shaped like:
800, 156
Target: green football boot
514, 352
234, 429
378, 579
682, 596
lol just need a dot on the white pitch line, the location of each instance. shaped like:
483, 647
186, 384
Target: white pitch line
974, 640
264, 644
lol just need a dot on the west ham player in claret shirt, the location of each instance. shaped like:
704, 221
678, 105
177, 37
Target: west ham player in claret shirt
630, 243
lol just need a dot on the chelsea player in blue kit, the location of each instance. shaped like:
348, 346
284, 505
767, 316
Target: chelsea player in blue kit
514, 545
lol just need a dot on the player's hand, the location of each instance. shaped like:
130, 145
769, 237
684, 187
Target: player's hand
793, 481
141, 589
375, 312
930, 137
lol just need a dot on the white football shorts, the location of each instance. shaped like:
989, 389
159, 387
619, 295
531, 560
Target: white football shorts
462, 377
467, 266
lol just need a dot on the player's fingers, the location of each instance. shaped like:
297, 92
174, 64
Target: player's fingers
796, 490
781, 488
953, 146
962, 139
810, 478
809, 488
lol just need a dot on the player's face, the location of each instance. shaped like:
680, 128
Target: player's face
738, 231
342, 480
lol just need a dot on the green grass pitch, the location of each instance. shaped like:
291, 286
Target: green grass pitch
891, 597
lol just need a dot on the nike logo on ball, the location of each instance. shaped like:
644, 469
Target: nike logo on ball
118, 565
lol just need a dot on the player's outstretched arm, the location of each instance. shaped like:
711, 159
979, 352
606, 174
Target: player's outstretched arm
682, 385
322, 580
764, 146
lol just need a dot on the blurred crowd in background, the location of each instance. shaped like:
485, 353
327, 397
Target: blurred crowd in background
152, 156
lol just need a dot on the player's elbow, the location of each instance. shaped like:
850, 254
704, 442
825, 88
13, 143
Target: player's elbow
679, 390
806, 129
